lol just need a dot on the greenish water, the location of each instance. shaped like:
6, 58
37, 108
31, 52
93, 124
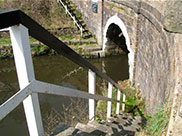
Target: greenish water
56, 70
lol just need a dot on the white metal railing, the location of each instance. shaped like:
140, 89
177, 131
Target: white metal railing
73, 17
30, 87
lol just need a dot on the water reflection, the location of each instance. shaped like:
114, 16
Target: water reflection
56, 70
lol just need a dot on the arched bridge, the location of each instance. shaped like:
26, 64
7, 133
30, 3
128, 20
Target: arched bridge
135, 26
138, 28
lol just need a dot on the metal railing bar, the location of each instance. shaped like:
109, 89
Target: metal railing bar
29, 94
47, 88
14, 101
9, 18
39, 33
5, 29
67, 11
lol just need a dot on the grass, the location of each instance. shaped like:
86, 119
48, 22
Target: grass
7, 41
39, 49
114, 96
157, 123
134, 103
67, 37
70, 114
101, 111
42, 50
112, 6
1, 1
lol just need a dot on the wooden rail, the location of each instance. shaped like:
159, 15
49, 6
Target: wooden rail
20, 26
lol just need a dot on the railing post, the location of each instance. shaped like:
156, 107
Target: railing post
81, 29
66, 9
109, 104
25, 72
123, 105
91, 83
118, 103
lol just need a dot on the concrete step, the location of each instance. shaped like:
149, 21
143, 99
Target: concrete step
68, 131
72, 9
90, 129
71, 131
129, 123
122, 125
101, 127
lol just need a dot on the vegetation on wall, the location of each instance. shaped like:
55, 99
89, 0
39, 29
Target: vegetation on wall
157, 123
117, 8
45, 12
134, 103
153, 125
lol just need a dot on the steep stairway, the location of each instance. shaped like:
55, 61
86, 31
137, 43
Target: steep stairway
76, 14
122, 125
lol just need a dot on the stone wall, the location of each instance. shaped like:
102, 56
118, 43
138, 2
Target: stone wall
175, 122
152, 28
173, 16
154, 69
153, 47
172, 23
92, 20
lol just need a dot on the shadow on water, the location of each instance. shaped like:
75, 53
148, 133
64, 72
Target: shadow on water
56, 70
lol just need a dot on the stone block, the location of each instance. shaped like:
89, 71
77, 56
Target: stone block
173, 16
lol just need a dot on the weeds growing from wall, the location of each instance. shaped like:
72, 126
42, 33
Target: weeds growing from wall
134, 103
157, 123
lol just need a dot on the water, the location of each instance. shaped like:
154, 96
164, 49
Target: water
56, 70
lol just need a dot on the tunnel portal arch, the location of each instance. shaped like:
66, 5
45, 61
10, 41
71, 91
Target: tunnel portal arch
117, 22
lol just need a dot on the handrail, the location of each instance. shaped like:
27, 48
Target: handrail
38, 32
46, 88
20, 27
73, 17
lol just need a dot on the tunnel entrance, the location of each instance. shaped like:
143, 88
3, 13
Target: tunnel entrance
115, 38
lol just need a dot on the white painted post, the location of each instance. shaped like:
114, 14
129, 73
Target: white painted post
66, 9
91, 83
25, 72
81, 29
118, 104
123, 105
109, 104
74, 20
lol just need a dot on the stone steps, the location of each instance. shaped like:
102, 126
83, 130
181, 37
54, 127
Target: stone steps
122, 125
78, 17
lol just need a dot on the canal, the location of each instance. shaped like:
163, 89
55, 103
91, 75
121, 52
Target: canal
57, 70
